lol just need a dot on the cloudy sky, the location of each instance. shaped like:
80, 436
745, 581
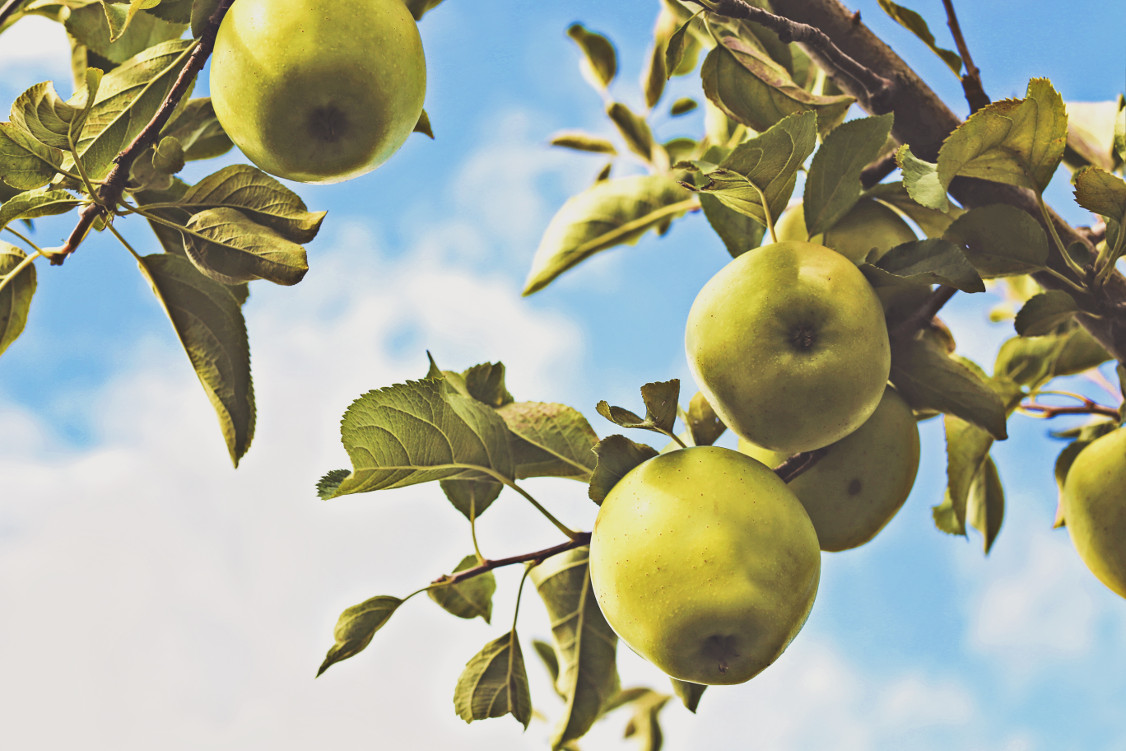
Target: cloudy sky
153, 597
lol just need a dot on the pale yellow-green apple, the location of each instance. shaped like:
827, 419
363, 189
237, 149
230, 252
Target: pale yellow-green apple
1094, 508
862, 480
869, 225
789, 345
318, 91
704, 563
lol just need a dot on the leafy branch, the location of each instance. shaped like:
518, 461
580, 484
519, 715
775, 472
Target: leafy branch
536, 557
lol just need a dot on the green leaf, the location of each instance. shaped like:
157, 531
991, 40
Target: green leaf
495, 683
985, 509
35, 203
1101, 192
175, 11
751, 88
677, 47
1034, 361
1015, 141
738, 231
654, 75
762, 172
832, 185
683, 106
208, 320
914, 23
420, 432
550, 661
126, 101
168, 155
611, 212
198, 130
617, 455
921, 180
579, 141
1045, 312
43, 113
967, 446
229, 247
470, 598
930, 261
600, 58
25, 162
356, 626
1000, 240
470, 497
585, 644
418, 8
688, 693
15, 296
549, 440
932, 222
202, 10
485, 383
634, 130
115, 33
644, 726
660, 408
930, 379
260, 197
704, 424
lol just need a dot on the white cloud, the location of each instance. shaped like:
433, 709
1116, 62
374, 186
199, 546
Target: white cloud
37, 46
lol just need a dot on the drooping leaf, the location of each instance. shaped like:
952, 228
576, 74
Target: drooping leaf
470, 598
932, 222
25, 162
985, 509
1045, 312
688, 693
644, 727
832, 185
967, 446
419, 432
762, 172
229, 247
921, 180
738, 231
931, 261
35, 203
471, 496
550, 440
116, 32
15, 296
1034, 361
207, 317
611, 212
198, 130
703, 423
1000, 240
550, 661
585, 645
617, 455
485, 383
260, 197
1015, 141
495, 683
660, 401
419, 8
1103, 193
356, 626
601, 61
914, 23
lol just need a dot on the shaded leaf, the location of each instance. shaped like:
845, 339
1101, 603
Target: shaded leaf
832, 185
738, 231
116, 33
16, 294
419, 432
356, 626
704, 424
550, 440
25, 162
683, 106
470, 598
1045, 312
914, 23
660, 401
585, 645
932, 222
485, 383
611, 212
471, 497
208, 320
985, 508
688, 693
35, 203
229, 247
495, 683
198, 130
419, 8
168, 155
932, 261
617, 455
550, 661
1000, 240
644, 726
1034, 361
634, 130
260, 197
599, 56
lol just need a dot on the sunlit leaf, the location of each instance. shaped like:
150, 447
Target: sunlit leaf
229, 247
600, 60
356, 626
580, 141
914, 23
634, 130
1034, 361
43, 113
25, 162
15, 297
35, 203
550, 440
921, 180
495, 683
116, 32
259, 196
985, 508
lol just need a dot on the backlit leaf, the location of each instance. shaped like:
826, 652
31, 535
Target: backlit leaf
689, 693
985, 509
259, 196
495, 683
471, 497
580, 141
1034, 361
921, 180
914, 23
25, 162
43, 113
35, 203
356, 626
115, 32
485, 383
738, 231
1101, 192
832, 185
550, 440
227, 246
617, 455
198, 130
471, 598
634, 130
15, 297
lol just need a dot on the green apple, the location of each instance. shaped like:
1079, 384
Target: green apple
863, 479
704, 563
789, 345
869, 225
1094, 508
318, 91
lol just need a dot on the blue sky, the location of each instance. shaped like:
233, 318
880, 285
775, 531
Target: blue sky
155, 597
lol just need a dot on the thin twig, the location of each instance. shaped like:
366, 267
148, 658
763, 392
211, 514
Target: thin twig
878, 88
111, 191
8, 9
1047, 411
538, 556
971, 81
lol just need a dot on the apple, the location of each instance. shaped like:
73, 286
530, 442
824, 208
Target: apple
862, 481
869, 225
317, 91
789, 345
704, 563
1094, 508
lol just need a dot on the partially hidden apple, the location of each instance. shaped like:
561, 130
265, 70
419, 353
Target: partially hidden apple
1094, 508
789, 344
704, 563
316, 91
869, 227
862, 481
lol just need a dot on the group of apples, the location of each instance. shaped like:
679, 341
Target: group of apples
702, 559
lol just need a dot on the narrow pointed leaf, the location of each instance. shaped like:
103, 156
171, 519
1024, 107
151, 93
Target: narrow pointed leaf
832, 185
617, 455
634, 130
914, 23
585, 644
356, 626
15, 297
703, 423
689, 693
260, 197
985, 509
471, 598
208, 320
229, 247
579, 141
550, 440
495, 683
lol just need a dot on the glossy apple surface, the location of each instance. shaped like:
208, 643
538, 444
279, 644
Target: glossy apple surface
868, 226
1094, 508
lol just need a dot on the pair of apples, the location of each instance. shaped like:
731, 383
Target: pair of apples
702, 559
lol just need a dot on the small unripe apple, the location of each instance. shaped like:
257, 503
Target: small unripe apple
1094, 508
789, 344
318, 91
704, 563
868, 226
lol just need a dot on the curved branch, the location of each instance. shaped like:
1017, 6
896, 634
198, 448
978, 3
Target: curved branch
971, 81
8, 9
538, 556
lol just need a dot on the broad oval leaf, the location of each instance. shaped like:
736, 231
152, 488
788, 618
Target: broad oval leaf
931, 261
35, 203
1044, 312
585, 645
229, 247
470, 598
601, 61
495, 683
1034, 361
259, 196
16, 294
25, 162
115, 32
470, 497
207, 317
832, 185
1000, 240
419, 431
550, 440
356, 626
610, 212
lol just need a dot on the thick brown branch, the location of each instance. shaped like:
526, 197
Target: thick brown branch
110, 192
971, 81
924, 313
8, 9
538, 556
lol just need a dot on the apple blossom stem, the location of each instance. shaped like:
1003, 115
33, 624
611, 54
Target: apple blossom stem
538, 556
114, 185
971, 81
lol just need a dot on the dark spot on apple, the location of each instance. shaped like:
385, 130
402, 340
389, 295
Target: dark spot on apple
854, 486
803, 337
721, 649
328, 123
